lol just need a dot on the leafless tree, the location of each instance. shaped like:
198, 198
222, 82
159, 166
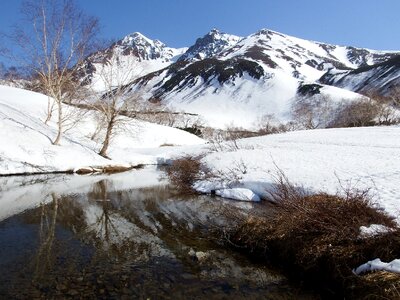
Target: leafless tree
359, 112
386, 105
394, 96
54, 37
312, 112
112, 101
47, 229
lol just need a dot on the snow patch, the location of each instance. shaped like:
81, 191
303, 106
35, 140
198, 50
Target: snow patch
241, 194
378, 265
373, 230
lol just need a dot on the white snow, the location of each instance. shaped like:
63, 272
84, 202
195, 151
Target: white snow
244, 101
373, 230
378, 265
319, 160
134, 56
327, 160
25, 141
238, 194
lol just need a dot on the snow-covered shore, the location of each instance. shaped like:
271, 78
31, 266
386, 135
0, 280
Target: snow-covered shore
25, 140
326, 160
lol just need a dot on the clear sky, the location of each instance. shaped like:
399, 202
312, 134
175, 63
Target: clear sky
364, 23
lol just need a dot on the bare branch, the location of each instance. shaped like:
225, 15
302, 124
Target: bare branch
53, 38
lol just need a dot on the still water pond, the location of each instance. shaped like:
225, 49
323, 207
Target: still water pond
122, 236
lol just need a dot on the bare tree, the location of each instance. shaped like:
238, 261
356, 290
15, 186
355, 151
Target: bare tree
54, 37
3, 70
387, 115
312, 112
386, 105
359, 112
394, 96
47, 230
113, 102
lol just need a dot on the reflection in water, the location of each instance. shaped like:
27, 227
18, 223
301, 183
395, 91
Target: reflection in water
117, 236
48, 221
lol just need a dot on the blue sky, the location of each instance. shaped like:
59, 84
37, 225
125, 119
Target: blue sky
363, 23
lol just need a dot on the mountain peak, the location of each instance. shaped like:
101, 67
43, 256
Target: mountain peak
268, 33
214, 31
137, 39
144, 48
209, 45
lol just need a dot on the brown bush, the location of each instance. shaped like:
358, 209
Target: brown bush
317, 237
185, 171
362, 112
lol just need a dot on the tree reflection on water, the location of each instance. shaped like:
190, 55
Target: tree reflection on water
135, 241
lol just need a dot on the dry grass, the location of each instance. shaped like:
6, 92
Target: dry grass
381, 285
185, 171
317, 238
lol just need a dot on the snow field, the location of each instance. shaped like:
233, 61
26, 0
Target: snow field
25, 141
325, 160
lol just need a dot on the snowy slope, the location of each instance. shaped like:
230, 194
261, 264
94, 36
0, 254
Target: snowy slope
307, 60
26, 141
134, 55
229, 80
223, 77
244, 101
326, 160
380, 78
235, 91
210, 45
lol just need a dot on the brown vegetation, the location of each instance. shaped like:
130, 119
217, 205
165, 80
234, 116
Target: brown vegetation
363, 112
320, 111
317, 238
185, 171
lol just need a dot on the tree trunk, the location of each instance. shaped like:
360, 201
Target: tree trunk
49, 110
59, 124
106, 142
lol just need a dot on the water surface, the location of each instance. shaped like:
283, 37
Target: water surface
127, 235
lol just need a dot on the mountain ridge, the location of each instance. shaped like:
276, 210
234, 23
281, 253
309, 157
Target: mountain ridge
263, 71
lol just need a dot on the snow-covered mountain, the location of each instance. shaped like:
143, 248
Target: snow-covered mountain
306, 60
138, 45
210, 45
133, 56
224, 77
382, 78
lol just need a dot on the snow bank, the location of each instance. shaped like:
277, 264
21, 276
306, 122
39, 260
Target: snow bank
25, 141
327, 160
241, 194
378, 265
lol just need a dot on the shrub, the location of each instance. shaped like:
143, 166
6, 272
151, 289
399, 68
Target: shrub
185, 171
362, 112
318, 237
193, 130
311, 112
